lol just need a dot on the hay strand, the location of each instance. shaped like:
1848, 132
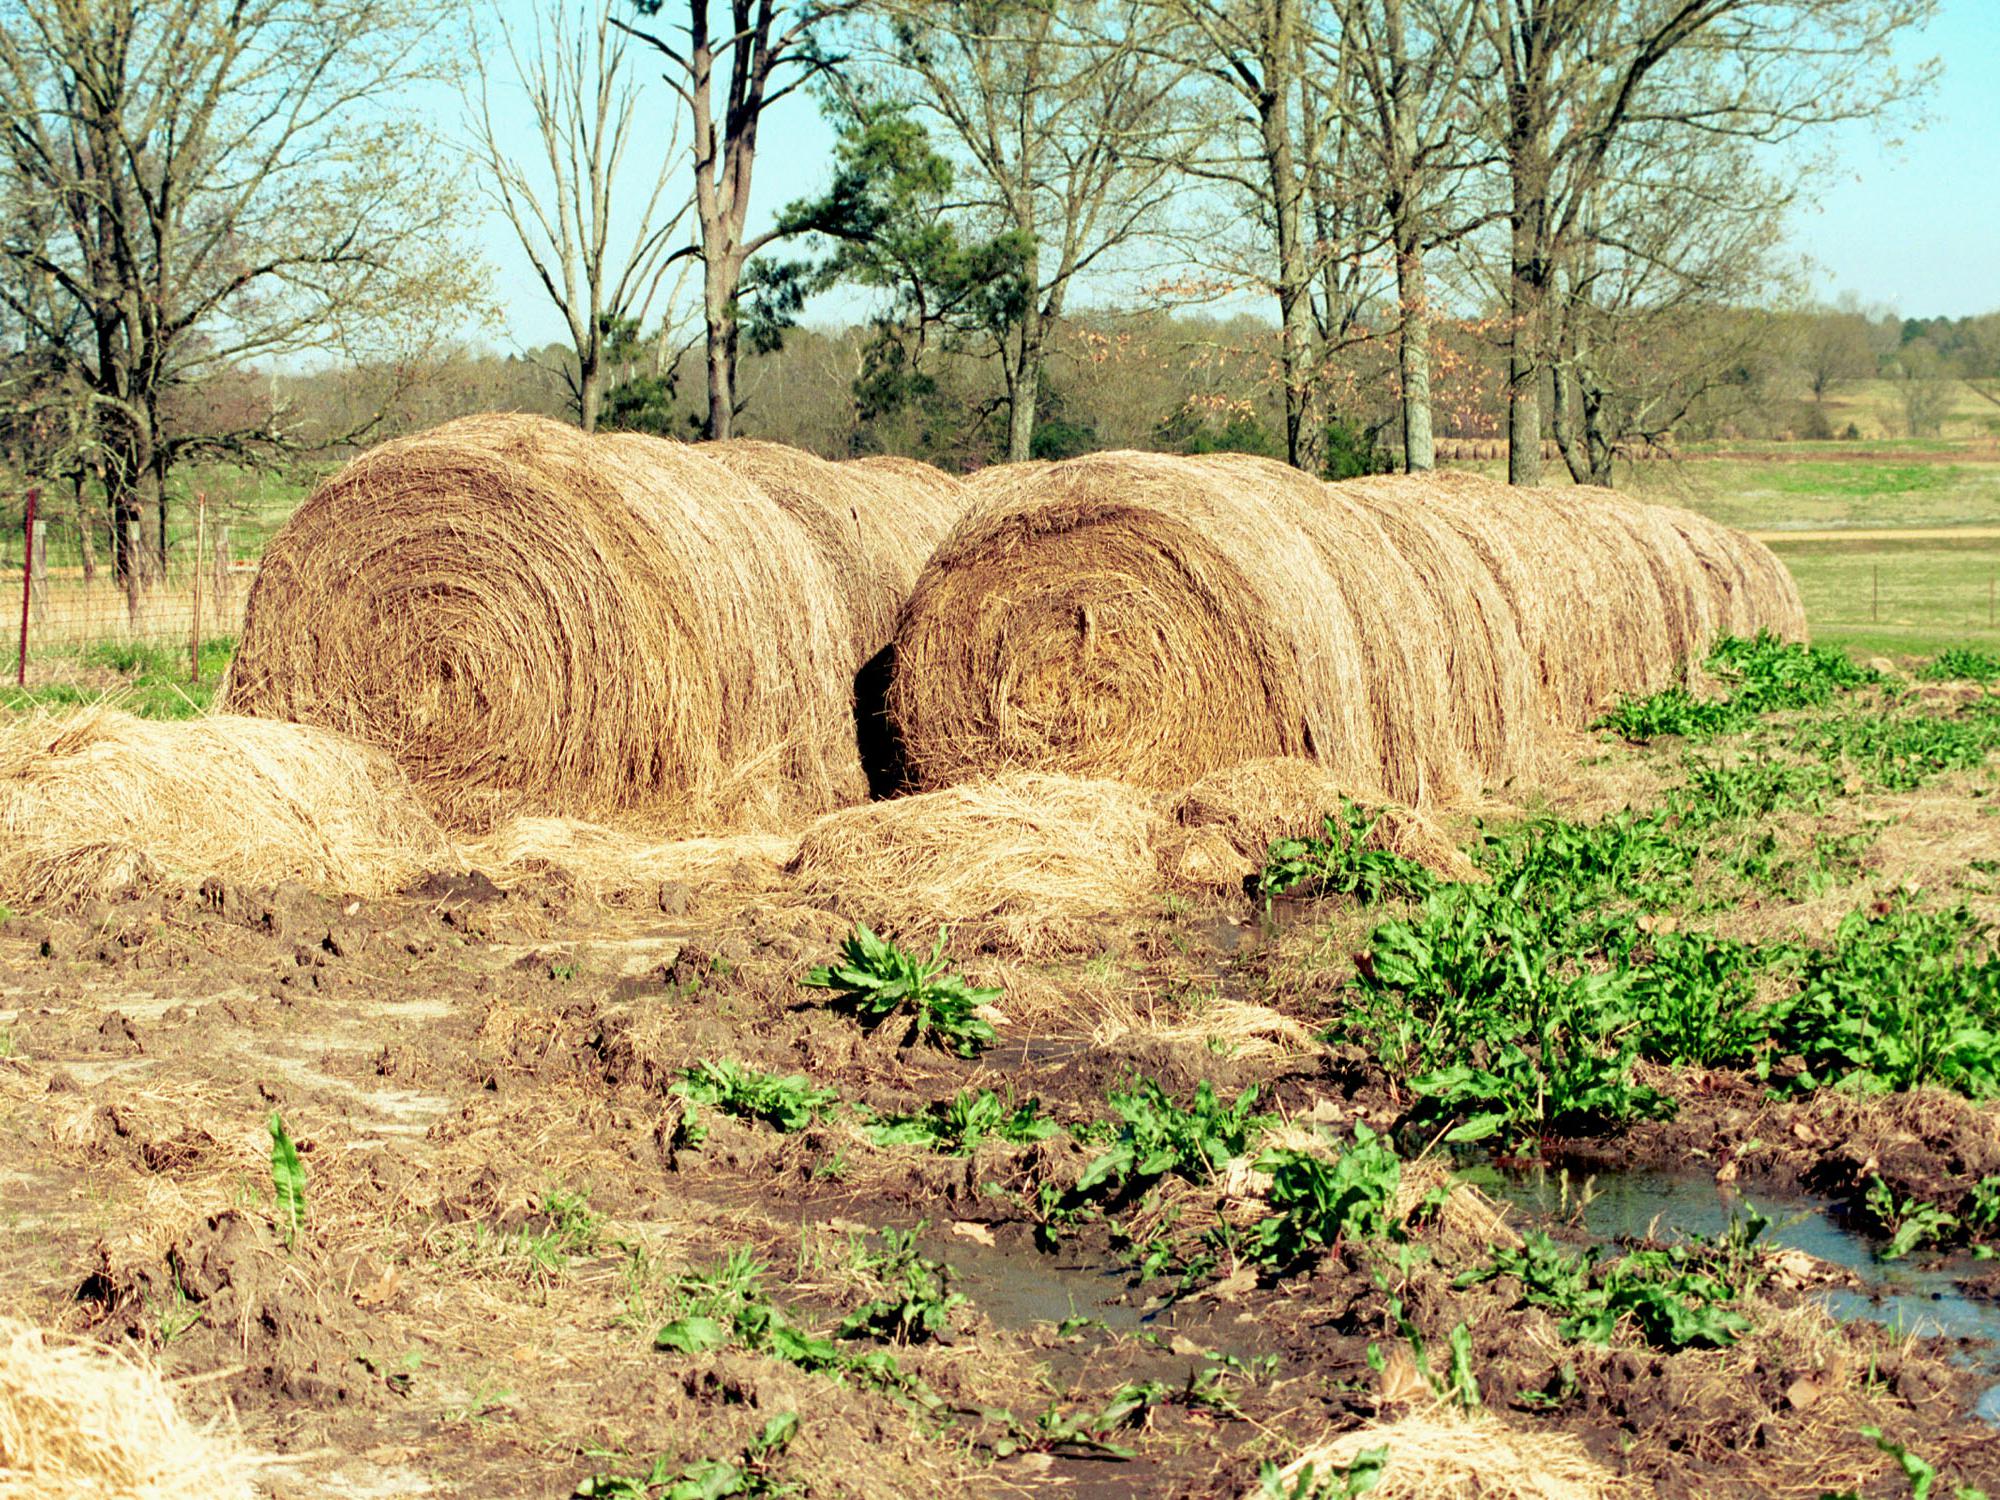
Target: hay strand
79, 1418
1442, 1454
94, 801
1024, 863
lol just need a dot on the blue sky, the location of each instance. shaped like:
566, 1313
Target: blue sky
1911, 224
1917, 226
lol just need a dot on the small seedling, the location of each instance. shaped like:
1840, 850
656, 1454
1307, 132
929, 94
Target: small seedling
288, 1181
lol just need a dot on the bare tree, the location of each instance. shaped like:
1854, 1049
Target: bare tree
1409, 59
215, 182
1062, 128
565, 207
1834, 346
1565, 81
764, 52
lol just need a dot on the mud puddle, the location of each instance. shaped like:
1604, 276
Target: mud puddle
1919, 1297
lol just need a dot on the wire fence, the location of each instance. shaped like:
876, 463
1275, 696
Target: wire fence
79, 585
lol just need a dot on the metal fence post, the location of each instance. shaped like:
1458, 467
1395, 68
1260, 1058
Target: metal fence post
194, 613
135, 583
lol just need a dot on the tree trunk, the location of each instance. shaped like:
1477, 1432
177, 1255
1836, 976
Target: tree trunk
589, 386
1527, 306
1413, 354
1024, 385
719, 302
156, 479
85, 528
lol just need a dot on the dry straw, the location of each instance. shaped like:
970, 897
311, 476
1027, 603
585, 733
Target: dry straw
534, 621
1023, 863
93, 801
1442, 1454
78, 1418
1152, 618
1258, 802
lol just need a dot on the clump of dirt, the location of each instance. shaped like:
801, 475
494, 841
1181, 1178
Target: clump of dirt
227, 1291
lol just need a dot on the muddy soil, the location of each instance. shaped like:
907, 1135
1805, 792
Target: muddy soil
508, 1203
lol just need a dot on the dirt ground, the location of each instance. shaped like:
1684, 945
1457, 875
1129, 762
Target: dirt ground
507, 1202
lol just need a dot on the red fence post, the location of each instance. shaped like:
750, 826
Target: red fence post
27, 583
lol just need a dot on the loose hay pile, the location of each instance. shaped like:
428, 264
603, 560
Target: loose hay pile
1442, 1454
1256, 803
1157, 618
1023, 863
535, 621
94, 801
79, 1419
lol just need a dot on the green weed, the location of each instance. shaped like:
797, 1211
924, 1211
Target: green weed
288, 1181
1156, 1137
1674, 1297
1325, 1482
1910, 1222
1338, 862
750, 1474
918, 1301
957, 1125
877, 979
1900, 999
1921, 1474
788, 1103
1318, 1202
1962, 664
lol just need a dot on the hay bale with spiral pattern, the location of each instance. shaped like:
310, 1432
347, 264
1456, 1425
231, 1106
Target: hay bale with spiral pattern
1153, 618
533, 621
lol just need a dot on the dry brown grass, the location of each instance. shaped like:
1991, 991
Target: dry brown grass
1258, 802
1440, 1453
607, 861
533, 621
94, 801
80, 1419
1022, 863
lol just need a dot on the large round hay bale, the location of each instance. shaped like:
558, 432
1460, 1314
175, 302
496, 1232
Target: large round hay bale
875, 521
1022, 863
81, 1418
1153, 618
534, 621
92, 802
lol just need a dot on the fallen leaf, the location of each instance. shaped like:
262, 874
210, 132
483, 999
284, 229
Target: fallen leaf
1727, 1171
381, 1292
1802, 1392
979, 1234
1398, 1380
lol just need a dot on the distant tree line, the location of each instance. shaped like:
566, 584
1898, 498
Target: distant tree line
1332, 231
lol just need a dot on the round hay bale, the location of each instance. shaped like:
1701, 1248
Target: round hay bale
1154, 618
1257, 802
533, 621
96, 801
875, 522
1495, 705
1022, 863
80, 1418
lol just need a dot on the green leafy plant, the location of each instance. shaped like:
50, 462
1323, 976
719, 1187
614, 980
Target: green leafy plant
1156, 1137
1674, 1297
957, 1125
288, 1181
918, 1300
789, 1102
1317, 1480
877, 979
1921, 1473
750, 1474
1911, 1222
1338, 861
1317, 1203
1962, 664
1901, 998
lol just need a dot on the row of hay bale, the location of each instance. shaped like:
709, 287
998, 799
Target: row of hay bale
533, 620
1155, 618
500, 627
